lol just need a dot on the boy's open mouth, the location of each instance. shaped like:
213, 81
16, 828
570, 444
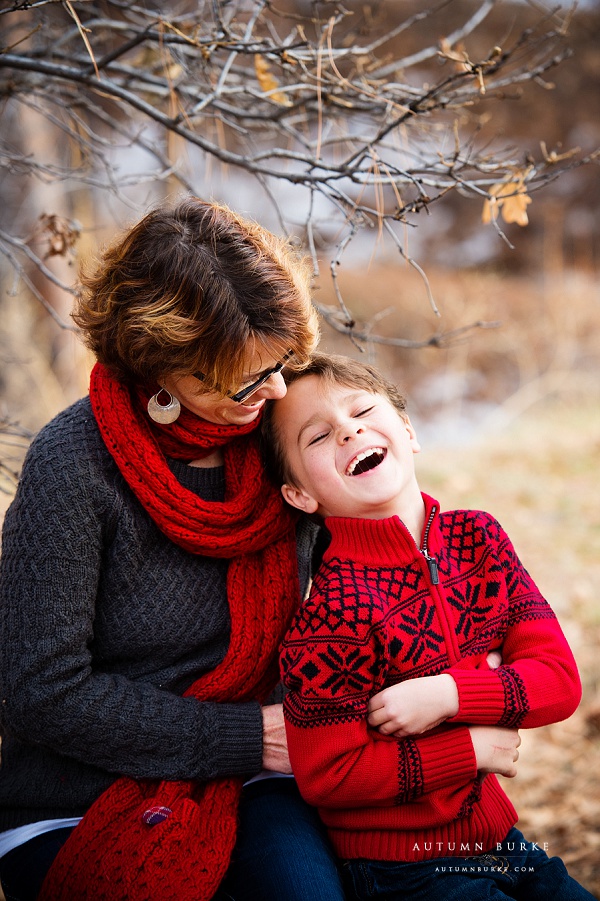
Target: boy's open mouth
366, 460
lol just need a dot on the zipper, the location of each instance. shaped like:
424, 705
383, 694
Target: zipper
438, 597
432, 563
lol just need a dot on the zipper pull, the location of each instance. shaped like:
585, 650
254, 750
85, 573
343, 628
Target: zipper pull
433, 569
431, 561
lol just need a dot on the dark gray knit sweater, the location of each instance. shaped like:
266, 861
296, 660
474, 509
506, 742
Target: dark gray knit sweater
103, 624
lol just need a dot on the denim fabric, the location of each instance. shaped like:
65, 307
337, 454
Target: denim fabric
23, 869
518, 870
282, 852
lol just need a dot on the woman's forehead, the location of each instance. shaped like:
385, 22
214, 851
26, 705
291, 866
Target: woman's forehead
259, 357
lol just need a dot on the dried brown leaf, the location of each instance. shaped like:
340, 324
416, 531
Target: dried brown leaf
509, 197
267, 81
459, 55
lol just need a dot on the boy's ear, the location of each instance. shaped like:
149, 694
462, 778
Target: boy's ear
299, 499
414, 441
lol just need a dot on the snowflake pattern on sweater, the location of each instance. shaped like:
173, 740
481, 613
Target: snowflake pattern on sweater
376, 617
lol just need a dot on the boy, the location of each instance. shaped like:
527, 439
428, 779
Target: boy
395, 723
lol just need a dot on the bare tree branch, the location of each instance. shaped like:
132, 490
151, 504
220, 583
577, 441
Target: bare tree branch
358, 127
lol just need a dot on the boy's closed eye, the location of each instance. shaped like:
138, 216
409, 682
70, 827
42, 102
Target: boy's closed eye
321, 435
317, 438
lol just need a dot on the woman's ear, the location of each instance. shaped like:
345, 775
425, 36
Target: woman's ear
298, 498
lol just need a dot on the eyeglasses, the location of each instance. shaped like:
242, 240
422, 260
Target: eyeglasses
244, 393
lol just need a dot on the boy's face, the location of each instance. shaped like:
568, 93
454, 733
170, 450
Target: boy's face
350, 452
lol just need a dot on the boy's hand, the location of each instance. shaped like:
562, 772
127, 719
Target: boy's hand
413, 706
496, 749
494, 659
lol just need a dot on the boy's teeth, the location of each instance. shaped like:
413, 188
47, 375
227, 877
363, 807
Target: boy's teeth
363, 456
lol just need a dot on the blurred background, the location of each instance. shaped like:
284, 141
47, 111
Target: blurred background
492, 328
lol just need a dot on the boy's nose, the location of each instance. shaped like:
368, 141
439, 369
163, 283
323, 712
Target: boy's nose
349, 430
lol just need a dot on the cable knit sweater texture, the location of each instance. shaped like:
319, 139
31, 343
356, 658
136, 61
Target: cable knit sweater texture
104, 623
379, 613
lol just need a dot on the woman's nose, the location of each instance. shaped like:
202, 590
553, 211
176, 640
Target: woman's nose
273, 389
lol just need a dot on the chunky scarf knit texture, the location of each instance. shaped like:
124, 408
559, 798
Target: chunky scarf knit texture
173, 840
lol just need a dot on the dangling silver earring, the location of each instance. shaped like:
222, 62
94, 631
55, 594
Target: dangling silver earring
163, 413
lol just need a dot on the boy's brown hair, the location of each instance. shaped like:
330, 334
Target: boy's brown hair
336, 370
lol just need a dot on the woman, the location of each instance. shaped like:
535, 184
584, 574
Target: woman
148, 573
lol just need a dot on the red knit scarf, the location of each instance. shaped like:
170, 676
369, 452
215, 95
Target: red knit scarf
143, 840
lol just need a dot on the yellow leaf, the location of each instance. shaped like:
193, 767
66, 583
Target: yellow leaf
514, 208
173, 71
511, 198
267, 81
459, 55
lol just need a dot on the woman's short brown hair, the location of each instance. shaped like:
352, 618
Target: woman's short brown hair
195, 288
336, 370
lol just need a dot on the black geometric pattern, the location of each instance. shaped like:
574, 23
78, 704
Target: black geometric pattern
305, 714
469, 600
410, 772
472, 798
417, 624
515, 698
463, 538
365, 627
347, 670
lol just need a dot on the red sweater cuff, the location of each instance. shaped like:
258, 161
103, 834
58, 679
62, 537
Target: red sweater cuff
481, 697
447, 758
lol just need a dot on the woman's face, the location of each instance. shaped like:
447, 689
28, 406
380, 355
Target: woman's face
213, 407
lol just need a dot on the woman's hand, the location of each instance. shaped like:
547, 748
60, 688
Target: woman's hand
496, 749
275, 752
413, 706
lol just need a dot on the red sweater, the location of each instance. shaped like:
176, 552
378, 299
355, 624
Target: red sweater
380, 612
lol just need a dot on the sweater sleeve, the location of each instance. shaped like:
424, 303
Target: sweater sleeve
331, 668
538, 682
58, 690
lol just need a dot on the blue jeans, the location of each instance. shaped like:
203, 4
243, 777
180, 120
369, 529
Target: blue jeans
23, 869
519, 869
282, 853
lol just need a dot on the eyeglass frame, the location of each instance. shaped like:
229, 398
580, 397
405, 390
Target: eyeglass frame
240, 396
